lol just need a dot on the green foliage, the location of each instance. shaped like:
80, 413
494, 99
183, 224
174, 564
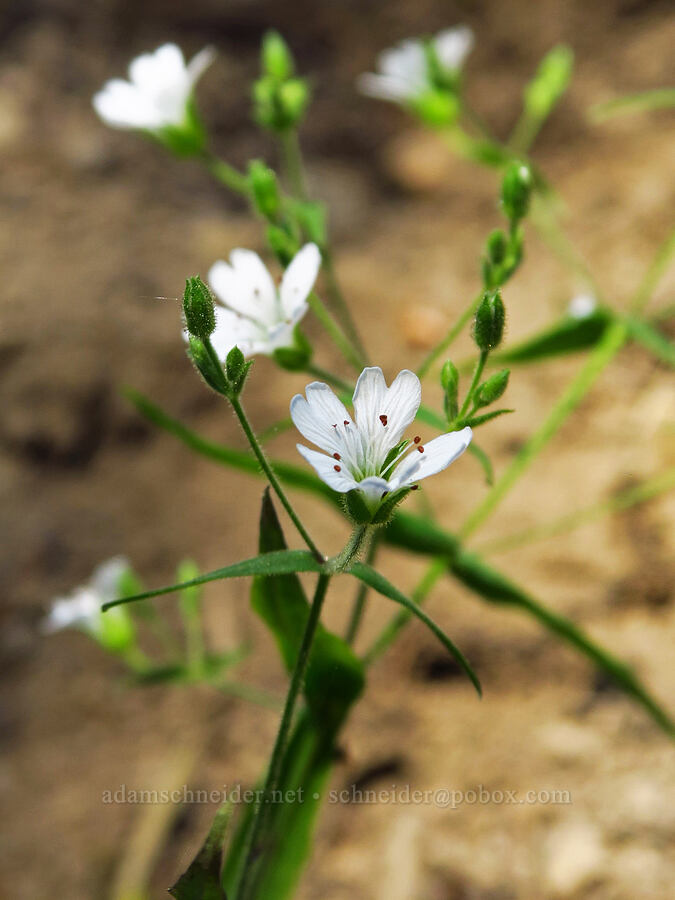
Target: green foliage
380, 584
208, 368
550, 82
450, 385
567, 336
652, 339
517, 186
264, 189
201, 880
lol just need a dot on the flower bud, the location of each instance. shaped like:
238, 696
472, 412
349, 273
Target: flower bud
293, 97
516, 190
492, 388
265, 189
235, 365
205, 365
277, 61
489, 324
496, 247
550, 82
450, 384
200, 317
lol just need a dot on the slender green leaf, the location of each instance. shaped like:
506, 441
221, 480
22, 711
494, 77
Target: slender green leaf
379, 583
651, 338
281, 562
475, 421
201, 880
335, 676
659, 98
570, 335
495, 588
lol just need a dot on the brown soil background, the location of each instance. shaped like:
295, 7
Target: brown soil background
96, 223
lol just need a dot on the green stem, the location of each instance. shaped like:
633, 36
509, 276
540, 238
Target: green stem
290, 146
454, 332
227, 175
612, 341
396, 624
340, 304
656, 270
477, 372
361, 594
347, 555
272, 478
276, 759
331, 326
621, 501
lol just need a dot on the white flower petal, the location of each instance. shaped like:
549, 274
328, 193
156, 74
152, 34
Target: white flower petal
82, 608
121, 105
582, 306
382, 413
106, 577
374, 488
245, 286
233, 329
436, 456
384, 87
453, 46
316, 417
200, 63
298, 280
328, 469
407, 62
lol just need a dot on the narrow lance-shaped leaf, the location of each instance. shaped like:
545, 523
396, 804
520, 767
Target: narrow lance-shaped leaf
567, 336
495, 588
201, 880
379, 583
280, 563
652, 339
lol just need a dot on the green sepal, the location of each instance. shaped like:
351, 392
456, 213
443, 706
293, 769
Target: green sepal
213, 375
492, 388
436, 108
297, 357
356, 508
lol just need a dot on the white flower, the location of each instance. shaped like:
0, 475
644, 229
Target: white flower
366, 452
158, 91
82, 608
582, 306
256, 316
404, 71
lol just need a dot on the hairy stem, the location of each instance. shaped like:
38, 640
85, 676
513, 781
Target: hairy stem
361, 594
272, 478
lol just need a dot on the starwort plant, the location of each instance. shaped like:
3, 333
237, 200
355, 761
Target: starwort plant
368, 461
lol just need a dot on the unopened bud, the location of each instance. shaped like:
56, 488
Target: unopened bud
294, 97
489, 324
450, 384
492, 388
265, 189
550, 82
200, 317
277, 61
116, 631
496, 247
516, 191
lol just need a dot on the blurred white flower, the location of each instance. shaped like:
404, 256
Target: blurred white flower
582, 306
367, 452
406, 72
256, 317
82, 608
158, 92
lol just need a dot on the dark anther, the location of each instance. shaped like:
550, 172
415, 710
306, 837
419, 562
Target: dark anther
337, 468
383, 419
336, 456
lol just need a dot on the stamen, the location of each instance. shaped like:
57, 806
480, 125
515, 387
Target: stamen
345, 422
415, 487
384, 494
336, 456
337, 468
417, 439
383, 419
421, 449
